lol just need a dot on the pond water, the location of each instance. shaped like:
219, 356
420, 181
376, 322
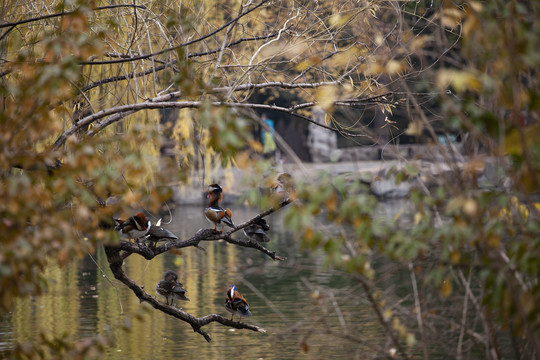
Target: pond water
84, 299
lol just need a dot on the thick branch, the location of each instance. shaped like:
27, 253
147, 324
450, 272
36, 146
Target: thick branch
119, 112
117, 254
202, 235
90, 119
115, 263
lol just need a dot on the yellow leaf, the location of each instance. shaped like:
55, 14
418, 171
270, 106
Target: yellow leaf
345, 57
446, 288
331, 202
325, 96
242, 160
460, 80
419, 41
387, 314
393, 67
398, 214
417, 218
303, 65
513, 144
410, 339
255, 146
336, 20
451, 17
415, 128
455, 256
470, 207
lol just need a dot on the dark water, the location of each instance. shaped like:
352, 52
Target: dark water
84, 300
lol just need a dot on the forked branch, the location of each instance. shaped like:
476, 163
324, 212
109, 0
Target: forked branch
149, 253
117, 254
115, 263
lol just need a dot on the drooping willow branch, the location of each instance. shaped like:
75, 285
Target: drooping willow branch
117, 254
119, 112
13, 25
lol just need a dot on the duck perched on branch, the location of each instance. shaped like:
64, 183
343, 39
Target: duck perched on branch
135, 227
158, 233
257, 231
170, 288
215, 213
236, 304
283, 189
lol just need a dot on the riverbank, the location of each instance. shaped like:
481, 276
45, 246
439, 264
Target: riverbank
379, 175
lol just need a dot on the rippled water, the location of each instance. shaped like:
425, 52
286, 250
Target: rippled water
85, 300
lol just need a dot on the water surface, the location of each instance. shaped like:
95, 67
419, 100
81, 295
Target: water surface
84, 299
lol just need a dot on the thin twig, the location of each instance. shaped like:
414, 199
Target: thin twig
169, 49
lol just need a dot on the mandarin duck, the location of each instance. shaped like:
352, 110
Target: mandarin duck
135, 227
236, 304
214, 213
170, 288
157, 233
257, 231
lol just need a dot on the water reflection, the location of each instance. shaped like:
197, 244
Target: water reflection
84, 300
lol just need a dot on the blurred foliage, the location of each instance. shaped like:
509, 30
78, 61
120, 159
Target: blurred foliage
47, 347
471, 239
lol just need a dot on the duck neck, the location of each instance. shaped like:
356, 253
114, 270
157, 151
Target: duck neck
214, 201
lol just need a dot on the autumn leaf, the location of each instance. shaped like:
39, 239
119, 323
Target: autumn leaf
325, 97
446, 288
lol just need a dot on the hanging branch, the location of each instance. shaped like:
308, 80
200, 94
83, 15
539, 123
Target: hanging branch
115, 263
382, 319
117, 254
13, 25
190, 42
165, 65
117, 113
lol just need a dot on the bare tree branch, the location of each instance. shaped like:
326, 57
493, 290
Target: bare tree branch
119, 112
117, 254
13, 25
203, 235
115, 264
206, 36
